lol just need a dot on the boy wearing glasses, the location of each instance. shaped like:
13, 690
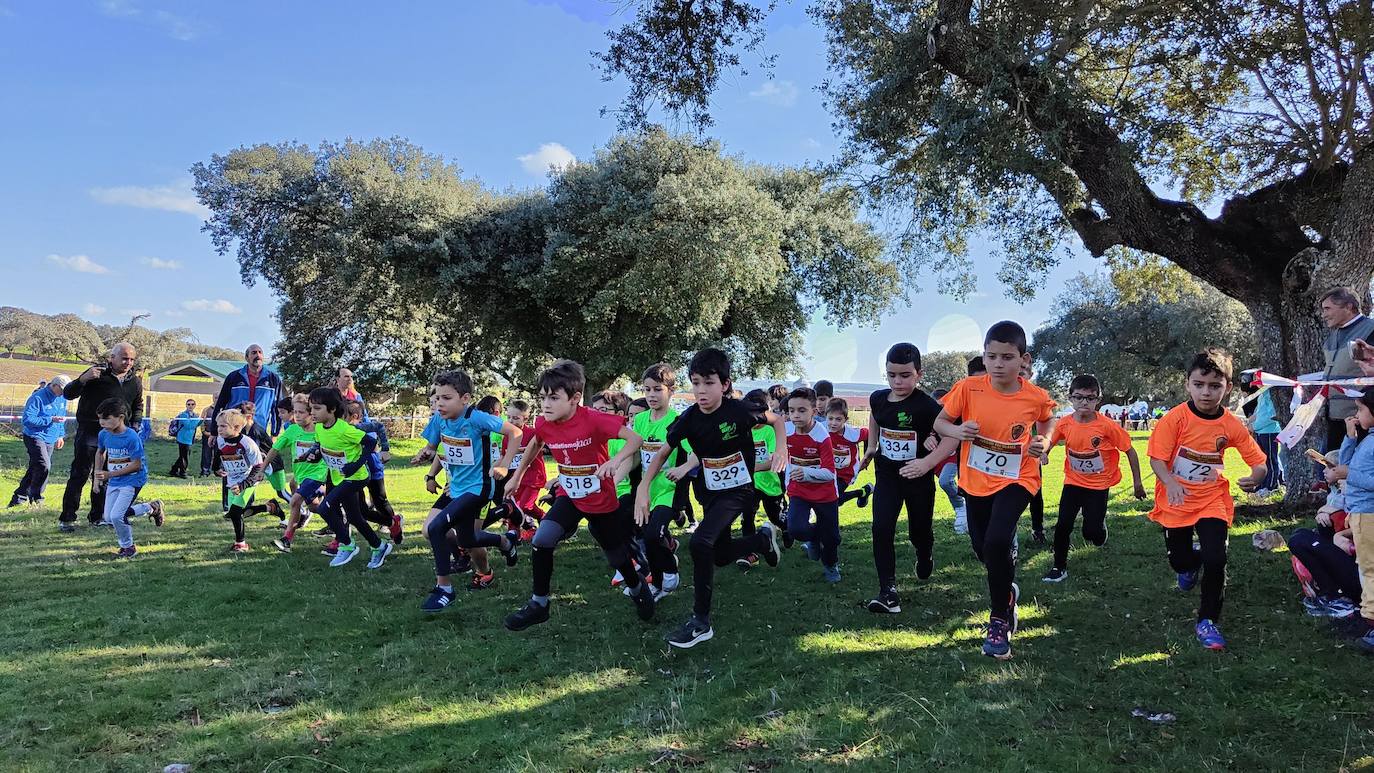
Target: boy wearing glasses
1092, 445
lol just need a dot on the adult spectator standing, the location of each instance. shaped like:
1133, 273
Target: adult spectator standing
97, 384
207, 441
1340, 310
44, 412
183, 428
343, 380
254, 383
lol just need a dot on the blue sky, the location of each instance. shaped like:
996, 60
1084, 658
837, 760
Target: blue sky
109, 102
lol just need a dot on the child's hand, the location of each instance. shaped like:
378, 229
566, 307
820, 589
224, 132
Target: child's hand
1339, 472
1324, 519
641, 508
498, 472
222, 474
1343, 542
795, 475
1352, 427
1037, 447
864, 462
1140, 491
1175, 493
916, 468
422, 456
676, 474
236, 488
932, 442
779, 464
385, 456
968, 430
606, 470
102, 475
431, 485
1248, 483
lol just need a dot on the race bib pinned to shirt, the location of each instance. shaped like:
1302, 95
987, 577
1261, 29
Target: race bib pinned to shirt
899, 445
761, 455
1196, 466
842, 458
303, 450
334, 460
995, 458
1085, 462
116, 463
235, 465
457, 451
579, 481
647, 451
724, 473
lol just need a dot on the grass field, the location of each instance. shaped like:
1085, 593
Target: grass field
277, 662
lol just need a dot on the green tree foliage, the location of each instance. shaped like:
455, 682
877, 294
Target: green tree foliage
59, 336
939, 370
388, 260
1138, 348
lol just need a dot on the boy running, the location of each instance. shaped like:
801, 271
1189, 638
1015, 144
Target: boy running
1192, 495
658, 383
344, 449
846, 441
719, 429
901, 421
122, 468
577, 436
811, 484
1005, 423
460, 442
296, 442
768, 483
241, 465
1092, 445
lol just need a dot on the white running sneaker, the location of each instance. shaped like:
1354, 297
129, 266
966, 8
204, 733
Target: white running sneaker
345, 554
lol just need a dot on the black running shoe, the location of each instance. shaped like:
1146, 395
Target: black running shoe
512, 555
887, 603
864, 494
691, 633
530, 614
1055, 575
644, 602
770, 553
924, 567
787, 540
438, 600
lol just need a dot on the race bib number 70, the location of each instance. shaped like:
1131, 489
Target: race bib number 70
995, 458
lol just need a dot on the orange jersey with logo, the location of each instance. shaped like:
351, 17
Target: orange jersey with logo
998, 457
1092, 451
1194, 447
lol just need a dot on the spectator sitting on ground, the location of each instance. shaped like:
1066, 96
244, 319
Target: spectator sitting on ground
1324, 559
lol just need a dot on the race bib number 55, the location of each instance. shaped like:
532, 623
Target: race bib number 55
458, 451
726, 472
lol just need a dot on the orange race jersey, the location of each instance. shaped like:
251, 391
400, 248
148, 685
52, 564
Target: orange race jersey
1092, 451
1193, 446
998, 457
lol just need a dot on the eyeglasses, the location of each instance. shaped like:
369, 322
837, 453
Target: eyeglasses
1084, 398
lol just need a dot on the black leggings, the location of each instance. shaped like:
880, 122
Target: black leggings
1333, 571
772, 508
342, 507
991, 526
1037, 512
1212, 535
889, 496
662, 560
563, 518
1093, 503
183, 459
379, 510
237, 514
461, 516
847, 493
713, 546
682, 498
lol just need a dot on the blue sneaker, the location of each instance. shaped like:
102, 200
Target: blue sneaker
812, 550
1208, 635
1366, 642
1186, 580
438, 600
997, 644
831, 573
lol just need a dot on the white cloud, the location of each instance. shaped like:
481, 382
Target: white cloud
175, 27
118, 9
175, 197
92, 310
550, 154
219, 306
78, 263
174, 313
780, 93
159, 263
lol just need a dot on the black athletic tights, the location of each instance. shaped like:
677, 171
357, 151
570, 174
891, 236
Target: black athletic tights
991, 526
1093, 504
1210, 557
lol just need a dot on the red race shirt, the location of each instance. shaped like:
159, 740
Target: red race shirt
846, 444
811, 450
536, 475
578, 446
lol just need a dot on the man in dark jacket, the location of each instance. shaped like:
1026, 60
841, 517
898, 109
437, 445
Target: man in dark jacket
253, 383
98, 383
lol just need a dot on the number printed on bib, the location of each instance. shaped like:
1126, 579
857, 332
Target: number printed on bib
761, 455
116, 463
841, 459
995, 458
515, 460
1196, 466
457, 451
725, 473
899, 445
578, 481
1088, 463
334, 460
302, 450
235, 465
647, 451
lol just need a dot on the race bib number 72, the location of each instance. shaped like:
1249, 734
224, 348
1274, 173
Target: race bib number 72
1196, 466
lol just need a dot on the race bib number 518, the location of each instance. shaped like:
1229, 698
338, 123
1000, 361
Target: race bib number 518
578, 481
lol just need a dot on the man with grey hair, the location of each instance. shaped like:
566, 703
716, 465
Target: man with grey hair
1340, 310
44, 413
98, 383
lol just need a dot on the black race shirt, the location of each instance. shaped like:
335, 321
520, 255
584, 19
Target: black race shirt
917, 413
717, 437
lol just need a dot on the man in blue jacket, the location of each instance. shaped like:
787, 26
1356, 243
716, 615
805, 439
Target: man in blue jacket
183, 428
43, 433
253, 383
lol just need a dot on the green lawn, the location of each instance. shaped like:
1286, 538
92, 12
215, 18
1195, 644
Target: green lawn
277, 662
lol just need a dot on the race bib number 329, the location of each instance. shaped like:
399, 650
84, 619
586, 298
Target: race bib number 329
726, 472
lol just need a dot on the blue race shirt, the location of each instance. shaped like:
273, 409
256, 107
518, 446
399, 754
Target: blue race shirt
120, 450
464, 445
